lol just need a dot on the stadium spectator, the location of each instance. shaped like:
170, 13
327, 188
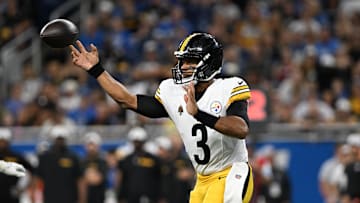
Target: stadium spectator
12, 186
177, 172
327, 190
354, 141
86, 113
31, 83
139, 172
306, 24
338, 180
232, 61
16, 18
49, 115
355, 96
354, 46
111, 176
332, 177
94, 169
276, 185
119, 39
59, 170
259, 30
92, 33
352, 171
343, 111
313, 110
290, 90
149, 71
70, 98
14, 104
248, 30
300, 31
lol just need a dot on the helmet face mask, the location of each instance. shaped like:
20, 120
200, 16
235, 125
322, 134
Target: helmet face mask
185, 75
204, 49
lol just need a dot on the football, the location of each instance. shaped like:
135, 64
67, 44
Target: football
59, 33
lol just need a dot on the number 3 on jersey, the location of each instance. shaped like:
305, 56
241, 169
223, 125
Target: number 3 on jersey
201, 143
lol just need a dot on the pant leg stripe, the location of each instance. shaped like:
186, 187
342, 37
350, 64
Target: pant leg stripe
248, 187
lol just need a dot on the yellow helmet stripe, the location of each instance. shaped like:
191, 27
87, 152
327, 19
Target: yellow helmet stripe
186, 41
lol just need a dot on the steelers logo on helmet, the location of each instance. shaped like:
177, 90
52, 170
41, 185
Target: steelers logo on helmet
207, 52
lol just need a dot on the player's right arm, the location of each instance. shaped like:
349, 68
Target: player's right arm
90, 60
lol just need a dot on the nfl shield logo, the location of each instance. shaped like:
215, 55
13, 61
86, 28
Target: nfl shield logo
237, 176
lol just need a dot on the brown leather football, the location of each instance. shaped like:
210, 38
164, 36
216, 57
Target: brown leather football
59, 33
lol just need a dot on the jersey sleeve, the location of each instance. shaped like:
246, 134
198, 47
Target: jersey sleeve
239, 108
149, 106
240, 90
158, 94
163, 90
152, 106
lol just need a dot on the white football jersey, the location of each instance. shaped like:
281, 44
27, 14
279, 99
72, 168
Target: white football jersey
209, 150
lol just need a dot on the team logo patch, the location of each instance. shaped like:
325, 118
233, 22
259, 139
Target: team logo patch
237, 176
215, 107
180, 110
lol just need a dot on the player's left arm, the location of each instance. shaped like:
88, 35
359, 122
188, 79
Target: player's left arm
234, 124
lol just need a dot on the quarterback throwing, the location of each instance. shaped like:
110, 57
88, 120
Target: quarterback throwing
210, 114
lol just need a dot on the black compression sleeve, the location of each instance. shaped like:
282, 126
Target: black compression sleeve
239, 108
150, 107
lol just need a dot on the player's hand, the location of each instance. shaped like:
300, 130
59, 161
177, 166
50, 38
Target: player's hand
12, 168
189, 97
84, 58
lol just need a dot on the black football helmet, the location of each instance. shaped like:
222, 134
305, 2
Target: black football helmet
206, 50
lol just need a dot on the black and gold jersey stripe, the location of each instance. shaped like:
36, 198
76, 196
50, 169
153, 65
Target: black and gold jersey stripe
157, 95
241, 92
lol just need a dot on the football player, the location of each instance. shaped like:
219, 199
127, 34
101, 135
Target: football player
8, 165
209, 113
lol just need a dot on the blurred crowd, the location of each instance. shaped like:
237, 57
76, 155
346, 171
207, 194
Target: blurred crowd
139, 170
303, 54
339, 175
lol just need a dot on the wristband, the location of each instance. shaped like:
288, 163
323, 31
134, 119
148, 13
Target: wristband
207, 119
96, 70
